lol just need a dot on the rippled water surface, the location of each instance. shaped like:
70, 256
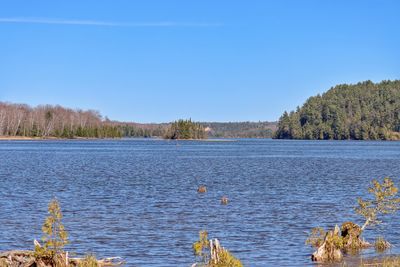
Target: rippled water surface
137, 198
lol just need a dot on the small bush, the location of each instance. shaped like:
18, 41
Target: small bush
201, 247
316, 237
381, 244
383, 200
55, 237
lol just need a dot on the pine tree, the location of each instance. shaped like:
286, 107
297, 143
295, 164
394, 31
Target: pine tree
55, 236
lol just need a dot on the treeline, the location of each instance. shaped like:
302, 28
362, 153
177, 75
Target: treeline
131, 129
53, 121
46, 121
185, 129
240, 129
364, 111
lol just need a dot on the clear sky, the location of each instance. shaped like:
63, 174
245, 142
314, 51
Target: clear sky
157, 61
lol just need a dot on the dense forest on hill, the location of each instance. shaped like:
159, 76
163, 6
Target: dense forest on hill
185, 129
47, 121
363, 111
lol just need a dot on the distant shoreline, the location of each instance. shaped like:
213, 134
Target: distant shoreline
205, 140
35, 138
29, 138
222, 139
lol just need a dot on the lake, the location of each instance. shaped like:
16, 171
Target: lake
138, 198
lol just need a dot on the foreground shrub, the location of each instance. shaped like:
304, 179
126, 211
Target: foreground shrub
55, 236
384, 201
331, 244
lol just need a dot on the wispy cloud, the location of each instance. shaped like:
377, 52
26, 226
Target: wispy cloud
26, 20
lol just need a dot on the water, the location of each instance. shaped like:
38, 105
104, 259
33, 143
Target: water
137, 198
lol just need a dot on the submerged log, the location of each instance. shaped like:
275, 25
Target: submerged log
112, 261
17, 258
224, 200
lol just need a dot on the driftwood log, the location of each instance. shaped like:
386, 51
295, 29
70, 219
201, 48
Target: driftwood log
26, 258
17, 258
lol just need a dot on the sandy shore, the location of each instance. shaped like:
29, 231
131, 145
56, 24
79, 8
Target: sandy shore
9, 138
26, 138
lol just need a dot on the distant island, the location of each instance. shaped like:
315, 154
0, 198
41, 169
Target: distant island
363, 111
21, 121
186, 129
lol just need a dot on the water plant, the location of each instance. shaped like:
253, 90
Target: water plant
202, 246
381, 244
89, 261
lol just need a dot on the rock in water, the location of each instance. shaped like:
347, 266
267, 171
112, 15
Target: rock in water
202, 189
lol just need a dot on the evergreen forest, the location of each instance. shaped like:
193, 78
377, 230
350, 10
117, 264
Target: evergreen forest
362, 111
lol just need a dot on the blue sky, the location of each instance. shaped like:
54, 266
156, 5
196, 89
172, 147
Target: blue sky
157, 61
